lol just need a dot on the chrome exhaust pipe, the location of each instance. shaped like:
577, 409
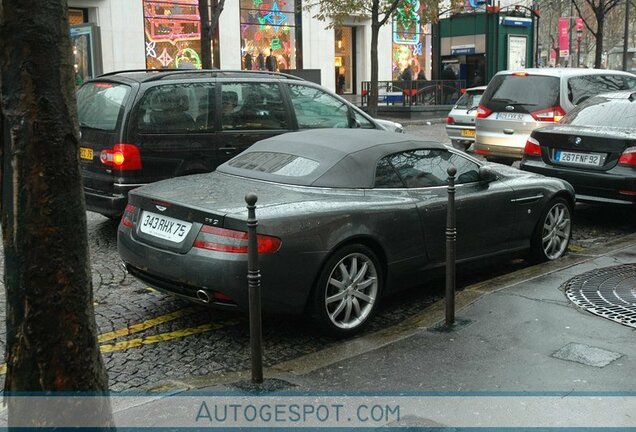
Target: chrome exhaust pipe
203, 296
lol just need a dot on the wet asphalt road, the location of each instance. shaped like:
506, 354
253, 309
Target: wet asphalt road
148, 338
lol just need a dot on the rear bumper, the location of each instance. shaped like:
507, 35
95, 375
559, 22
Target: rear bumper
499, 145
455, 133
595, 187
108, 204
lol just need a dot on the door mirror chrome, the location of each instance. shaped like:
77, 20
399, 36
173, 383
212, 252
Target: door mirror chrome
487, 174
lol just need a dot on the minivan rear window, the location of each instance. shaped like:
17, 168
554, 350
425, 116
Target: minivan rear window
100, 105
526, 93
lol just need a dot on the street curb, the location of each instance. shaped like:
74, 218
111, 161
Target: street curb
429, 317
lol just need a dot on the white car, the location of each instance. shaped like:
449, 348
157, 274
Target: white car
460, 123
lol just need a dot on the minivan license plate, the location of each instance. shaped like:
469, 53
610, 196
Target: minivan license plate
164, 227
86, 153
510, 116
591, 159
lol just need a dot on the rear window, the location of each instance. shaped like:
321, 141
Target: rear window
469, 100
275, 163
527, 93
604, 112
100, 105
581, 88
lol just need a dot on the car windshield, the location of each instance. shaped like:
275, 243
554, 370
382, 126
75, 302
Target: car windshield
469, 100
603, 112
101, 104
526, 93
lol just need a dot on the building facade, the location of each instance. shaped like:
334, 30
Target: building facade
140, 34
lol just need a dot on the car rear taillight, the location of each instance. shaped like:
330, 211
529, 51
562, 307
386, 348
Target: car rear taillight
450, 120
520, 73
124, 157
232, 241
482, 152
532, 148
628, 158
127, 217
553, 114
483, 112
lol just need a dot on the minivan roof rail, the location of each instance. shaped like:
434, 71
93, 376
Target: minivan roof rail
216, 73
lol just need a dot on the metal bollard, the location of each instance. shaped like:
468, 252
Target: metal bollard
254, 289
451, 237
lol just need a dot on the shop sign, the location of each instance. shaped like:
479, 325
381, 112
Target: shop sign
517, 48
463, 49
516, 21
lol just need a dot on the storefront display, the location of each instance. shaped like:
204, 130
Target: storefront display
173, 34
270, 34
87, 56
410, 43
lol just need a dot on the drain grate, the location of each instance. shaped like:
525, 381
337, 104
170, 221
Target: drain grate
609, 292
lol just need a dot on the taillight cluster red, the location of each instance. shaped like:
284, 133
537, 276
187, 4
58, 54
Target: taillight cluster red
532, 148
450, 120
552, 114
123, 157
127, 217
483, 112
232, 241
628, 158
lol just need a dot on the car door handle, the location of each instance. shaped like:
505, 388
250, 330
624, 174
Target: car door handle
228, 149
509, 131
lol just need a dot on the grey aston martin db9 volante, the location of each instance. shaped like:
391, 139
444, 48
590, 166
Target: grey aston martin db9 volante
344, 217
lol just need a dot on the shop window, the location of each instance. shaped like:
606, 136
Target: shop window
410, 43
270, 34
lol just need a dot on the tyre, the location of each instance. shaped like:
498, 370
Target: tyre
553, 231
347, 290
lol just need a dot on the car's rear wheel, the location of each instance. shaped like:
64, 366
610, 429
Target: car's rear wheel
552, 234
347, 291
461, 145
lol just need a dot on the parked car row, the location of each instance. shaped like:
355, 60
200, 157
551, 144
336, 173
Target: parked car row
556, 122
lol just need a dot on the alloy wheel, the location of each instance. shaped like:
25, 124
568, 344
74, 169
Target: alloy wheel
556, 231
351, 291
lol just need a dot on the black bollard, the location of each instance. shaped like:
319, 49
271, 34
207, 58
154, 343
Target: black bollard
451, 237
254, 290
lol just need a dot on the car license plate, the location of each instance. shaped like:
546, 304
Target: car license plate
86, 153
468, 133
591, 159
164, 227
510, 116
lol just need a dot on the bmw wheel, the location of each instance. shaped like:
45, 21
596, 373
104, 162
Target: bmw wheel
553, 232
347, 291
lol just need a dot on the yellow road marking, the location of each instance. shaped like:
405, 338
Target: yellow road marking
136, 328
162, 337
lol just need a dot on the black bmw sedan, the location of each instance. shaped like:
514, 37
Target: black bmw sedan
593, 148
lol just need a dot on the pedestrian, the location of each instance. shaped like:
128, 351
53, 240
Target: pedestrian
271, 63
248, 61
260, 61
477, 79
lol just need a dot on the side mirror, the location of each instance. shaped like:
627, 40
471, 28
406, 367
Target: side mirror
487, 174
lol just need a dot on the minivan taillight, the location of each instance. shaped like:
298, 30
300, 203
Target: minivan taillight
552, 114
127, 217
532, 148
483, 112
123, 157
232, 241
628, 158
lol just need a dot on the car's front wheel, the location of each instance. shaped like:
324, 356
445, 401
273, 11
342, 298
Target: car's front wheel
552, 234
347, 291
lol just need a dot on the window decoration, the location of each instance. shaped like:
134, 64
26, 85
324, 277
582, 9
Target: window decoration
173, 34
409, 41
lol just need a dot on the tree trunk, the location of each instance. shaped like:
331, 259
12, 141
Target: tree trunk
51, 331
206, 42
375, 30
600, 24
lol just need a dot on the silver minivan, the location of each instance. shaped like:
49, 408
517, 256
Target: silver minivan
517, 102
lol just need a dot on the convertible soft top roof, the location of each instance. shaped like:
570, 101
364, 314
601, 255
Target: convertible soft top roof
347, 158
